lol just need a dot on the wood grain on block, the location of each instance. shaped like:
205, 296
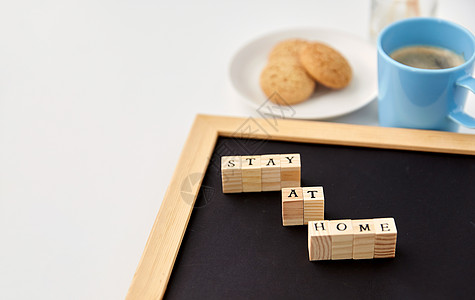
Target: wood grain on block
385, 238
313, 204
319, 241
270, 172
290, 170
231, 174
363, 240
341, 232
251, 173
292, 206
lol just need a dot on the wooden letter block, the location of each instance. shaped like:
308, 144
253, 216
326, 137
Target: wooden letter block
292, 206
363, 240
231, 174
385, 238
313, 204
270, 172
290, 170
319, 241
251, 173
342, 239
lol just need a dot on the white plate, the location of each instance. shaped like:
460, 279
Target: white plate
248, 63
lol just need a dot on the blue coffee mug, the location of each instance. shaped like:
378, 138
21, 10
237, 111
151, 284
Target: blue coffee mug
425, 98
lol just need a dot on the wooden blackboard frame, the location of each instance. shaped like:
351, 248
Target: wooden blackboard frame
156, 264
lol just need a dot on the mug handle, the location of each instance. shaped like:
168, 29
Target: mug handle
458, 115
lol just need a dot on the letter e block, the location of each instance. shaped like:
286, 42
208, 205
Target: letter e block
231, 174
292, 206
290, 170
341, 232
270, 172
251, 173
385, 238
313, 204
319, 241
363, 240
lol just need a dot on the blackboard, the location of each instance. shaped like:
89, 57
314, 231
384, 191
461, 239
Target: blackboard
235, 246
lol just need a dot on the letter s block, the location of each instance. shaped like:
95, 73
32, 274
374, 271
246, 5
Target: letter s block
231, 174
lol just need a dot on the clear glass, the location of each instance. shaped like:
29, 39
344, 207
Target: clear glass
385, 12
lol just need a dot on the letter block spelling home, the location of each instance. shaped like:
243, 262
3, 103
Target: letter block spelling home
302, 204
352, 239
260, 173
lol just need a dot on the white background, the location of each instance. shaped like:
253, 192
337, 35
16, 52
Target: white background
96, 100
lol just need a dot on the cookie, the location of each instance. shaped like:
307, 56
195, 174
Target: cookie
326, 65
287, 50
289, 82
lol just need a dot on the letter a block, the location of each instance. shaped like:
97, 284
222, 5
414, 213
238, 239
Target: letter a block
363, 241
270, 172
313, 204
231, 174
251, 173
385, 238
292, 206
319, 241
290, 170
342, 239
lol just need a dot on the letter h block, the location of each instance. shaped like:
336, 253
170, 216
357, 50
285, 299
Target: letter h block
319, 241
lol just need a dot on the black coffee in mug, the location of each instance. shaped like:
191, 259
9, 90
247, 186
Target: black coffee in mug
427, 57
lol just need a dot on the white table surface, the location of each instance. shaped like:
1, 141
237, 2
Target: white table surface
96, 101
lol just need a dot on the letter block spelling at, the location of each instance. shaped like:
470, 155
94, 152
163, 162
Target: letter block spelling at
342, 239
385, 238
290, 170
292, 206
270, 172
363, 241
313, 204
231, 174
319, 241
251, 173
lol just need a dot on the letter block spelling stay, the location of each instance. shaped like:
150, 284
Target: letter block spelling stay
292, 206
258, 173
385, 238
231, 174
357, 239
311, 199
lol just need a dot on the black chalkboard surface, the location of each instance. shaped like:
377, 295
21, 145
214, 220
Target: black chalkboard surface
235, 246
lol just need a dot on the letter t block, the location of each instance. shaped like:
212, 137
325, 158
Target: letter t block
251, 173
